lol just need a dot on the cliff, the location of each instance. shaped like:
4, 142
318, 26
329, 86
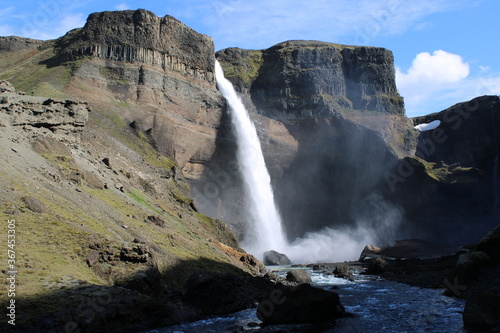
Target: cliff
330, 121
298, 79
141, 37
454, 175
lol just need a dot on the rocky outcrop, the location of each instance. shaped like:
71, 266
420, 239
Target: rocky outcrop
17, 44
65, 118
454, 176
297, 79
142, 37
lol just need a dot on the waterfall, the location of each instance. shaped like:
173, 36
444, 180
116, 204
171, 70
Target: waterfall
263, 222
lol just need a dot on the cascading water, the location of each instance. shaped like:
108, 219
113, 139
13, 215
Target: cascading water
264, 229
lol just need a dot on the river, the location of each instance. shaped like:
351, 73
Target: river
377, 305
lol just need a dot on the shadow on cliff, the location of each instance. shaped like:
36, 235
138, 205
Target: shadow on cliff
189, 290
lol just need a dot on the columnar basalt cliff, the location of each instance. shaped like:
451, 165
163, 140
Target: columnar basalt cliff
159, 70
142, 37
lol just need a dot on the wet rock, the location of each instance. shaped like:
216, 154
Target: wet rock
298, 276
377, 266
275, 258
342, 271
300, 304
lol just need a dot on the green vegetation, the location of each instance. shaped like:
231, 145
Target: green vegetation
246, 71
445, 173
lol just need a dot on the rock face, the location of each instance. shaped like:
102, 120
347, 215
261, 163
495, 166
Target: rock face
455, 174
299, 79
340, 121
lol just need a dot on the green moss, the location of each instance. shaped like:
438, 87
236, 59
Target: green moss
62, 162
181, 197
206, 220
246, 70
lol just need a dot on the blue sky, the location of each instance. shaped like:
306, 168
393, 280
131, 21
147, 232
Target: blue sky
446, 51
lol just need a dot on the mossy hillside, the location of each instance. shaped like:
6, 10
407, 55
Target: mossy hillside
37, 75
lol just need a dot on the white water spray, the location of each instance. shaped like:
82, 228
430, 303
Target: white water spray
264, 229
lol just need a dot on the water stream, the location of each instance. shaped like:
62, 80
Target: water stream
378, 306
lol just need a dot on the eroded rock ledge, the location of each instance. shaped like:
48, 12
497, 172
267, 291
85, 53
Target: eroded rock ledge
65, 118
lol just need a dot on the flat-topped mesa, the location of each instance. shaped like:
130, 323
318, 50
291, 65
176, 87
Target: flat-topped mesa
312, 78
142, 37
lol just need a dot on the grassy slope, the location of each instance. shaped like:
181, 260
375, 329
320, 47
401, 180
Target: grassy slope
52, 246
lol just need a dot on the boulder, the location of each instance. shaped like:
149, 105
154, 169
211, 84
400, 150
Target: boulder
482, 312
298, 276
300, 304
342, 271
377, 266
34, 205
275, 258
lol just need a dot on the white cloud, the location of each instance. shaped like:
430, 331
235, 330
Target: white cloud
430, 72
122, 6
439, 80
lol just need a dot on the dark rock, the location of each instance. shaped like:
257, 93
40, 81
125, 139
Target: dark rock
377, 266
215, 293
300, 304
469, 265
490, 244
155, 219
342, 271
141, 37
275, 258
35, 205
298, 276
482, 312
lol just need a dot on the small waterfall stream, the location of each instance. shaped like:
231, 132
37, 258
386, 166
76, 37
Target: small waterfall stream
264, 229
